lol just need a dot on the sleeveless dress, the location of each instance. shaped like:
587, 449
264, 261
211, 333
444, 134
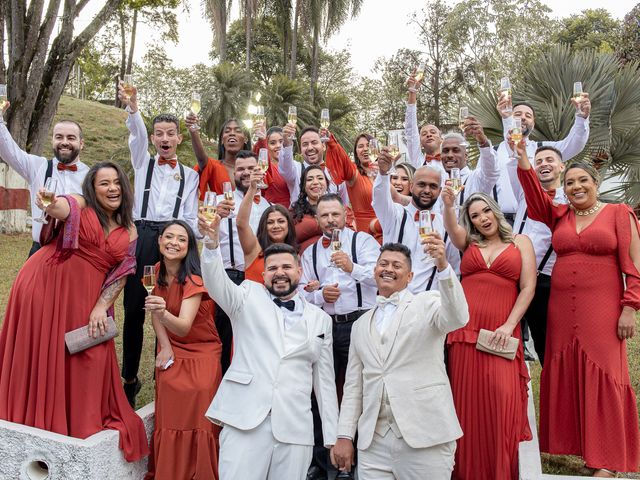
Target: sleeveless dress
185, 443
489, 392
41, 385
254, 271
587, 403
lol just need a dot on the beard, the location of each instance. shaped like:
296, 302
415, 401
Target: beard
67, 158
240, 186
293, 286
421, 205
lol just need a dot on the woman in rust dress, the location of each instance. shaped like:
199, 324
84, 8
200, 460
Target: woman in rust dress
313, 184
185, 443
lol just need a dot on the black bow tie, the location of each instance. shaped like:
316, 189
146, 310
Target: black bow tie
289, 304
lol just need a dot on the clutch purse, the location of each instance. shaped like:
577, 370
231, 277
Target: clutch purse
79, 339
509, 351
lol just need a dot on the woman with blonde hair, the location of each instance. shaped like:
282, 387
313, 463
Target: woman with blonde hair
490, 392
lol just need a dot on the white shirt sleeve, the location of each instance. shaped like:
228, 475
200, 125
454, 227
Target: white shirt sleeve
25, 164
288, 168
486, 174
412, 134
384, 207
138, 140
573, 143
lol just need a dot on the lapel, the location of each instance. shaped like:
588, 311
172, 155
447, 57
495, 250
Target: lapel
369, 322
390, 335
306, 318
279, 320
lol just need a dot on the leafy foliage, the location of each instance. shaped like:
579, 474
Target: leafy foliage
592, 29
628, 48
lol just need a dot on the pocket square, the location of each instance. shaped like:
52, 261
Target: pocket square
321, 336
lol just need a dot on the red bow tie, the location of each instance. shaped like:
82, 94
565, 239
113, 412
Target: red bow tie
429, 158
63, 166
326, 242
256, 199
416, 216
172, 163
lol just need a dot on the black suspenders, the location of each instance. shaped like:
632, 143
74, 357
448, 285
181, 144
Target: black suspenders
49, 171
147, 190
405, 215
522, 222
354, 256
433, 272
545, 259
231, 254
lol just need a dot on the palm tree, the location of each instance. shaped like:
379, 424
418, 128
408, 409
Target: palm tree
217, 13
248, 10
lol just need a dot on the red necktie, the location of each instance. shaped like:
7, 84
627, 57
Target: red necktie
63, 166
163, 161
326, 242
551, 193
256, 199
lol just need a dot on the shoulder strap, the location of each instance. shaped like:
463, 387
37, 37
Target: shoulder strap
231, 252
176, 208
147, 189
431, 277
49, 171
545, 259
405, 215
354, 256
314, 258
495, 193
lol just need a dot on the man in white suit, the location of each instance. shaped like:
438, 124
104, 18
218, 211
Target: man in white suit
397, 394
282, 349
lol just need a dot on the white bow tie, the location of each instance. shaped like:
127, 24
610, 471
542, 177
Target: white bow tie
394, 299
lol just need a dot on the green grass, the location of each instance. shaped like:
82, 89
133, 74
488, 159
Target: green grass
14, 250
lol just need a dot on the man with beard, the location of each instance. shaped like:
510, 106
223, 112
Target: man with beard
282, 352
340, 282
312, 149
65, 167
164, 190
569, 147
230, 248
548, 167
400, 224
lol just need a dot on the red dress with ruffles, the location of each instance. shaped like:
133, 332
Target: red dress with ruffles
489, 392
587, 404
185, 442
41, 384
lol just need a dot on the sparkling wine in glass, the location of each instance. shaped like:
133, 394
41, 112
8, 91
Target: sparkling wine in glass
456, 180
258, 116
516, 135
3, 97
425, 227
420, 71
209, 209
292, 116
196, 103
577, 94
127, 85
336, 244
324, 123
48, 194
505, 92
462, 116
227, 191
393, 142
149, 278
263, 165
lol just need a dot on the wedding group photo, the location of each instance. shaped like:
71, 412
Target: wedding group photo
319, 239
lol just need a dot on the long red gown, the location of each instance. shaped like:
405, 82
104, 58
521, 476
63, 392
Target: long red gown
489, 392
587, 404
185, 443
41, 385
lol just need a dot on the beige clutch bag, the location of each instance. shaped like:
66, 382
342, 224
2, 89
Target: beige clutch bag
78, 340
510, 348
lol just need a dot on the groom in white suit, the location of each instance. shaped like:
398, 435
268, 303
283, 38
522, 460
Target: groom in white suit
282, 349
396, 393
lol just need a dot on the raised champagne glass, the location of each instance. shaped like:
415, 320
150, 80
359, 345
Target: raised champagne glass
48, 194
258, 117
209, 209
3, 97
292, 117
425, 227
577, 95
505, 92
149, 278
462, 116
374, 153
227, 190
263, 165
393, 142
336, 244
516, 134
127, 85
324, 123
420, 72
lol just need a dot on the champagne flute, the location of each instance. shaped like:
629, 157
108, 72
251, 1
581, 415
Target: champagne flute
456, 184
425, 227
48, 194
127, 84
420, 71
209, 209
324, 123
3, 97
393, 142
516, 134
577, 95
505, 91
149, 278
196, 106
462, 116
292, 117
227, 190
259, 116
263, 165
336, 244
374, 152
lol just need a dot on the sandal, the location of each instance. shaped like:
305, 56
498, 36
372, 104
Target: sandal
605, 473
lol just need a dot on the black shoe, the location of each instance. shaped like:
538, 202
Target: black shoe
131, 390
316, 473
528, 356
344, 476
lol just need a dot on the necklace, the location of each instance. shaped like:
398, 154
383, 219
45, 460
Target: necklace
584, 213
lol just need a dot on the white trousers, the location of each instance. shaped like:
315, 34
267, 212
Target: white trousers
390, 458
256, 455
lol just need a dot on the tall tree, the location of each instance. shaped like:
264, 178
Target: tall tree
628, 49
595, 29
217, 13
248, 8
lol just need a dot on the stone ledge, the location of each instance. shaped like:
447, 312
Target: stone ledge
67, 458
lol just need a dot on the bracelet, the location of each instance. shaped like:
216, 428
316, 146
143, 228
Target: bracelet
412, 89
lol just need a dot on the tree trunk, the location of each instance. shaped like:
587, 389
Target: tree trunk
3, 68
314, 60
123, 54
294, 41
248, 14
132, 45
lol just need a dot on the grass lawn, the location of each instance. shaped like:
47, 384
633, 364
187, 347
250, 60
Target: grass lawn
14, 249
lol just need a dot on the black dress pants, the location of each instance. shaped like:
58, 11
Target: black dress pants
536, 314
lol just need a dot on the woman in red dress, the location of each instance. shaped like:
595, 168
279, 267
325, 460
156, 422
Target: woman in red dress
275, 226
587, 403
76, 279
278, 191
313, 184
490, 392
185, 443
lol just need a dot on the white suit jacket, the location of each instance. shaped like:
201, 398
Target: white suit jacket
411, 368
263, 378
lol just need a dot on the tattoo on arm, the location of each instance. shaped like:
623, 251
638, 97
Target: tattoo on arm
110, 293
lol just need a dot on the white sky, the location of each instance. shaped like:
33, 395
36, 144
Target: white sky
361, 35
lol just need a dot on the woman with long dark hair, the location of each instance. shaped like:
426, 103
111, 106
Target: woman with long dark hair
76, 277
275, 226
188, 372
277, 191
313, 184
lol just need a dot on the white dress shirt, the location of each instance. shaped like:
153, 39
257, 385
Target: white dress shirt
291, 171
291, 317
570, 146
368, 250
254, 220
34, 168
390, 215
414, 147
165, 181
538, 232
